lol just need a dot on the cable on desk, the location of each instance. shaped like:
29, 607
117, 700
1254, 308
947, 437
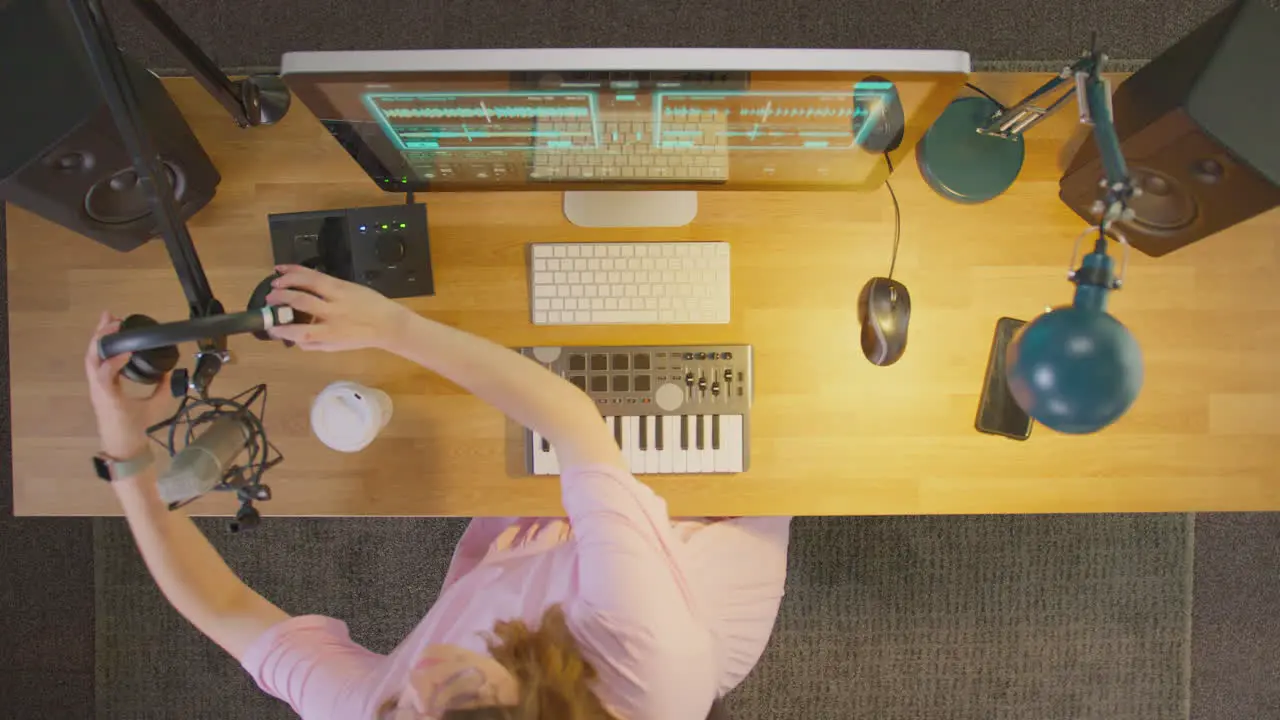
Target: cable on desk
986, 95
897, 218
408, 198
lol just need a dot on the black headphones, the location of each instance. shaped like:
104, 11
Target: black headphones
154, 346
147, 366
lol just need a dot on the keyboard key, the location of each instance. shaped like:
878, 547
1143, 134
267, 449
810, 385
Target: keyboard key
608, 317
652, 456
708, 460
674, 454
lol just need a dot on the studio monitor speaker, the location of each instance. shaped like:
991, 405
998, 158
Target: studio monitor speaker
1200, 129
60, 154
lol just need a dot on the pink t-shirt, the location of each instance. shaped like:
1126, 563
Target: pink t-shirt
671, 614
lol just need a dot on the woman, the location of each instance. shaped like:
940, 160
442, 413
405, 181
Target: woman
617, 611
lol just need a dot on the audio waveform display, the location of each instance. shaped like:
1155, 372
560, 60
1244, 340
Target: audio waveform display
488, 113
763, 120
486, 120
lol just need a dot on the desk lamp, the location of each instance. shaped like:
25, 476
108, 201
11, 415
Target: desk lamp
1076, 369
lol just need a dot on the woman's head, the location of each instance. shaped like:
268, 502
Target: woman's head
527, 675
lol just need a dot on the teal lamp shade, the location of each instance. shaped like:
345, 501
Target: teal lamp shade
1076, 369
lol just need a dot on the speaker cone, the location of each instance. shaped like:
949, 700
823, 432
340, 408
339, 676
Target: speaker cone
1163, 204
120, 199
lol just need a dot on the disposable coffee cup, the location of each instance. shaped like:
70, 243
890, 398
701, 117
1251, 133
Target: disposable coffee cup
347, 416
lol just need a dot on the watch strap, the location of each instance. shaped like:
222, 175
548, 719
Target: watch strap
109, 468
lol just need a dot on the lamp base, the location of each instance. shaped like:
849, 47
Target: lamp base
963, 165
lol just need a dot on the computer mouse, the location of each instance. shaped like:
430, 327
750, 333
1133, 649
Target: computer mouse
884, 310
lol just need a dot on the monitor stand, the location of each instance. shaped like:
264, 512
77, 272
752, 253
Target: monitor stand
630, 208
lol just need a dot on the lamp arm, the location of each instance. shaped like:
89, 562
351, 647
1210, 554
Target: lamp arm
1094, 95
1029, 112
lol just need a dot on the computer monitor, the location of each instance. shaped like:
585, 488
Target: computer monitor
612, 126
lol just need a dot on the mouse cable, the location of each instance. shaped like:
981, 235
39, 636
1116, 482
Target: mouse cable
897, 218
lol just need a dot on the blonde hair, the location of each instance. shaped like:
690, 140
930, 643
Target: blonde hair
550, 671
549, 668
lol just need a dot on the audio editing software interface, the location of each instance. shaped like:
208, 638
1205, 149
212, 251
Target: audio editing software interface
625, 128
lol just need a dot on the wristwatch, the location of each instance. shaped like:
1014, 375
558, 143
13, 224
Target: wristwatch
109, 468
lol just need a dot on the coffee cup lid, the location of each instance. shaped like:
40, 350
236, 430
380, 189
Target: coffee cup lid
344, 419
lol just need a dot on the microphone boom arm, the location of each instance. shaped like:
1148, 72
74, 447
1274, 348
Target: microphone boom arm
257, 100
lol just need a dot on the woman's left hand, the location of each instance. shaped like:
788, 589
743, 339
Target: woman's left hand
122, 420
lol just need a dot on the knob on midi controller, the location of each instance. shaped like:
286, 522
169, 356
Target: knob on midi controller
669, 396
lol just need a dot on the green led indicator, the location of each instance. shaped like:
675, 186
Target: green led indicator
384, 227
404, 179
403, 226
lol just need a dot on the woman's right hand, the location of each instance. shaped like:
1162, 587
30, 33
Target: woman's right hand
346, 316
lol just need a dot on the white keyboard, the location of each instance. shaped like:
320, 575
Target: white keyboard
629, 283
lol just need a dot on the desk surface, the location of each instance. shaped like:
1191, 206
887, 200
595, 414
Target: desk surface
831, 434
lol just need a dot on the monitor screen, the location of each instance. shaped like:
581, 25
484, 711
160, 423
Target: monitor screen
697, 128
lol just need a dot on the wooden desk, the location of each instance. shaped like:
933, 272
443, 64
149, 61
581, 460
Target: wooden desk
831, 433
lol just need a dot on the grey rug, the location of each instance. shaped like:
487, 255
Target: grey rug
964, 618
1040, 33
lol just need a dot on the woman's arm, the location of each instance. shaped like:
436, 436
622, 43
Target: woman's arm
349, 316
516, 385
188, 570
190, 573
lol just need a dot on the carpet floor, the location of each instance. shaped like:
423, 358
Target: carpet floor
248, 33
912, 618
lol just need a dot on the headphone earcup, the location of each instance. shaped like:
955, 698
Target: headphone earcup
148, 367
258, 300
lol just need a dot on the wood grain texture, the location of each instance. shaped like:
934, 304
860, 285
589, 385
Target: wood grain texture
831, 433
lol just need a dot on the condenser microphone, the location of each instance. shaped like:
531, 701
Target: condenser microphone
202, 464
